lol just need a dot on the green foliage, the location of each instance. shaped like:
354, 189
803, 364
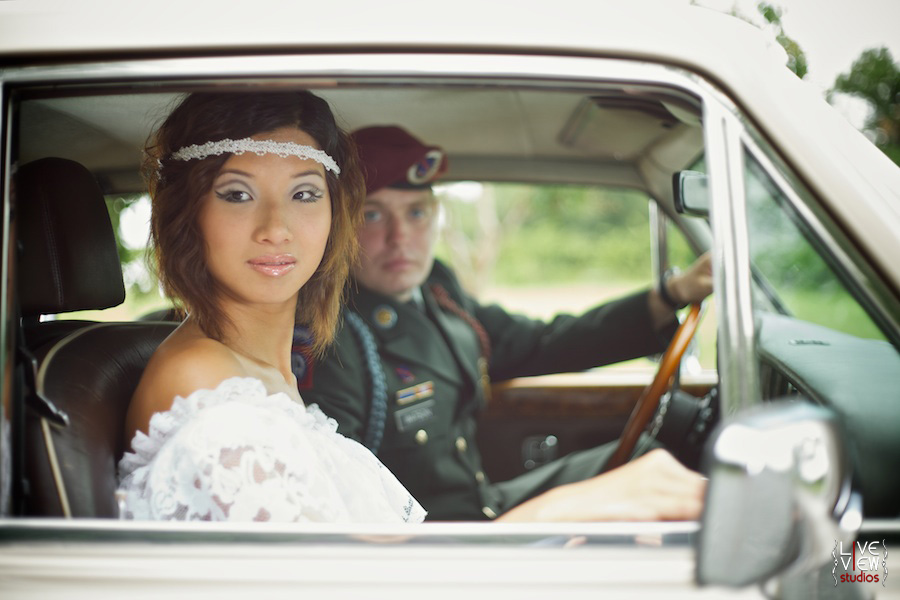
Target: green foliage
554, 234
140, 285
875, 78
116, 206
543, 253
834, 308
573, 233
796, 56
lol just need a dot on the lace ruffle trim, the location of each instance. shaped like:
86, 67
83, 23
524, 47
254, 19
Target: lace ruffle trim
237, 453
164, 425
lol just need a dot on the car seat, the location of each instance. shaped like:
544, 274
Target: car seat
83, 373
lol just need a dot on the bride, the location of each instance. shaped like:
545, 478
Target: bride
256, 198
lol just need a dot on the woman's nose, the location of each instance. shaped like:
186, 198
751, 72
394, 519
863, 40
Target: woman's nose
273, 226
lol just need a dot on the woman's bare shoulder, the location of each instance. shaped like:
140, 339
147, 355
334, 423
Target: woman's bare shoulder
182, 364
192, 364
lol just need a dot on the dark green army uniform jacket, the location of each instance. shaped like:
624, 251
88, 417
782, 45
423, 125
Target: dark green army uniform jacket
410, 385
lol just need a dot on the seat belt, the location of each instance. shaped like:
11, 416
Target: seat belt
27, 396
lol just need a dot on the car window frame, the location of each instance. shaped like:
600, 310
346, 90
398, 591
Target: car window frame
724, 131
321, 69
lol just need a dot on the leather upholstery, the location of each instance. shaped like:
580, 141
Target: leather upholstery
87, 370
68, 259
90, 375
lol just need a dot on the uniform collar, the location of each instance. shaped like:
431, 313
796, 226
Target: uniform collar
401, 330
382, 313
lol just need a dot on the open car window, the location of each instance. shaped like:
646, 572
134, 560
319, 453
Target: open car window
566, 177
544, 249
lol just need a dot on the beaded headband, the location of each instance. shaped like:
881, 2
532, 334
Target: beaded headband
260, 147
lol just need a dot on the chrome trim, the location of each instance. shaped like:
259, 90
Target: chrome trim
779, 477
439, 533
376, 68
879, 527
414, 562
738, 367
6, 482
875, 295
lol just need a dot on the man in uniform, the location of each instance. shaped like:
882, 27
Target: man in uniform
411, 364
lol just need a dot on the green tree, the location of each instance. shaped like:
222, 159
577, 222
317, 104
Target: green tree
875, 78
796, 56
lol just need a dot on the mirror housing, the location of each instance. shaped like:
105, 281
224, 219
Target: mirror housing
779, 495
690, 193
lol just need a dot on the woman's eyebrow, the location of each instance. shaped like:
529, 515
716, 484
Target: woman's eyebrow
234, 172
309, 172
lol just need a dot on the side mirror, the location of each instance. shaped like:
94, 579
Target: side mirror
691, 193
779, 495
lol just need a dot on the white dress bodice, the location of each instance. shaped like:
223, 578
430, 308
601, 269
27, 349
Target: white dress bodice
238, 453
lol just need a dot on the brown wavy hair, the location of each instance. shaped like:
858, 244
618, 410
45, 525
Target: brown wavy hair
177, 189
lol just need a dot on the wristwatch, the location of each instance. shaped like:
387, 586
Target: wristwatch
664, 292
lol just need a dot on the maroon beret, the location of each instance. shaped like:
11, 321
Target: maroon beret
392, 157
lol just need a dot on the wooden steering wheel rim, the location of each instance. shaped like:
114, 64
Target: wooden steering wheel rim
648, 401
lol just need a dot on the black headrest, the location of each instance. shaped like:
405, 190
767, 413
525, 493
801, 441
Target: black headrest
68, 259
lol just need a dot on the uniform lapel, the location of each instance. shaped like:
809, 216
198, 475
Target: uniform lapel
406, 334
464, 346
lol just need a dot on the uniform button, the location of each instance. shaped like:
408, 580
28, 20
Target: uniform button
461, 444
488, 512
479, 476
421, 437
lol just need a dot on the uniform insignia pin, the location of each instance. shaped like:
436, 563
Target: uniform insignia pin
405, 375
385, 316
426, 169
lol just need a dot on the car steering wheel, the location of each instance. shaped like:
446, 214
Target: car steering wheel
648, 401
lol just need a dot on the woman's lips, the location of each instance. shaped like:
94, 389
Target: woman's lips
273, 266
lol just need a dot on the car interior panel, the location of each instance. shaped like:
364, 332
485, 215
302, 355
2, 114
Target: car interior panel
853, 377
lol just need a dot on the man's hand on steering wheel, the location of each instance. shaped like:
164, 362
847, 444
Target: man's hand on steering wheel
694, 284
678, 289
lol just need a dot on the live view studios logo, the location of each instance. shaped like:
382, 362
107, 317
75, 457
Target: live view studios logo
862, 562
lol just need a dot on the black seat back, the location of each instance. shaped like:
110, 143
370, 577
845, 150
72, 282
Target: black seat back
86, 371
89, 375
68, 259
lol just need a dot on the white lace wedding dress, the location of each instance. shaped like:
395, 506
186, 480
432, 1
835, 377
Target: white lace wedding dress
237, 453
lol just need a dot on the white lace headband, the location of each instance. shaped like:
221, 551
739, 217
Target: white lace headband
260, 147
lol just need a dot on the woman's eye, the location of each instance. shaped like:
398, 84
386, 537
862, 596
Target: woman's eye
234, 196
310, 195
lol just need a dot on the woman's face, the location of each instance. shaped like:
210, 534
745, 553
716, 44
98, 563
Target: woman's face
265, 223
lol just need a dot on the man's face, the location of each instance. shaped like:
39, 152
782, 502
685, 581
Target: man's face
397, 241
